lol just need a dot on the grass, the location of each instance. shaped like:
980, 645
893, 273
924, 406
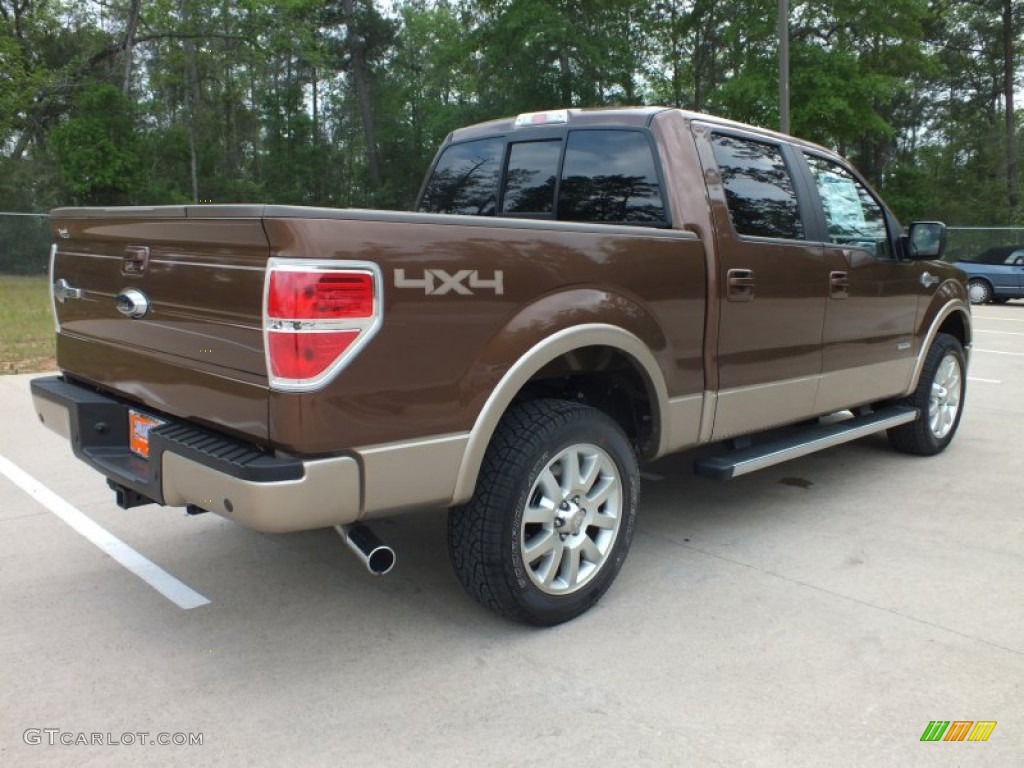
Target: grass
27, 343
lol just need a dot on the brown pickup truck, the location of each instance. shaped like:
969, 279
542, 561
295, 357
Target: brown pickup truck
579, 289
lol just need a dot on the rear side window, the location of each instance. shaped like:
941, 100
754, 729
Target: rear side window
758, 188
466, 179
610, 176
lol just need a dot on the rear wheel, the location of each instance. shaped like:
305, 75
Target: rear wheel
939, 397
551, 521
979, 291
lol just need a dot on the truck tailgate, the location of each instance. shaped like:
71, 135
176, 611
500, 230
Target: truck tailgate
196, 351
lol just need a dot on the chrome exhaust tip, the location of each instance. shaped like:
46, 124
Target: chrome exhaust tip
377, 556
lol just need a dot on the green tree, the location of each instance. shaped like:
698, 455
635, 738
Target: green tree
97, 148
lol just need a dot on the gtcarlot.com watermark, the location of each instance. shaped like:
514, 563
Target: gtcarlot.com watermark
54, 737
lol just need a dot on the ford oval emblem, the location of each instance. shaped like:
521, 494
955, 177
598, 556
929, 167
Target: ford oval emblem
132, 303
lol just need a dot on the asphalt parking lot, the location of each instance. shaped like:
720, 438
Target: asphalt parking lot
819, 613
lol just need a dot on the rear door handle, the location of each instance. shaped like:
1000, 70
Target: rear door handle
838, 285
739, 285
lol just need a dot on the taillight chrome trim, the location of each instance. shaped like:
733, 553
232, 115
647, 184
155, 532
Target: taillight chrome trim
366, 327
53, 296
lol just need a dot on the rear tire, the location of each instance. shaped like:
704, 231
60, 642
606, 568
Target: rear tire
552, 516
939, 397
979, 291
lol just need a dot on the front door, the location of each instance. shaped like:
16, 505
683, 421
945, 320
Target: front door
868, 352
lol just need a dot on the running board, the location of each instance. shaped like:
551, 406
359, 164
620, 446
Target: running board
816, 438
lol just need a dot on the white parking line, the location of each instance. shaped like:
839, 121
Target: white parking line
999, 319
984, 381
1000, 333
167, 585
998, 352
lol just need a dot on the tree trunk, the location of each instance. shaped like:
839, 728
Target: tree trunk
1012, 159
361, 79
565, 77
191, 98
129, 41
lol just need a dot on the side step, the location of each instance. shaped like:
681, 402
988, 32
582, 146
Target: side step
816, 438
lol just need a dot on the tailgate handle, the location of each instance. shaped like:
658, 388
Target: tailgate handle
136, 259
740, 285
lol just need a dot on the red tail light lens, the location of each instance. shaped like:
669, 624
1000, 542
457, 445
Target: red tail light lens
306, 355
320, 295
316, 317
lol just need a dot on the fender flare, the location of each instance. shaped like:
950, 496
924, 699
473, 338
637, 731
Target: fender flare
515, 378
947, 310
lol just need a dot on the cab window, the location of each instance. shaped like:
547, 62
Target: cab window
853, 217
610, 176
759, 189
530, 178
466, 179
593, 175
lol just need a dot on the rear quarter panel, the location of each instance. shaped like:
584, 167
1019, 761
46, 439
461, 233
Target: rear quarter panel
438, 354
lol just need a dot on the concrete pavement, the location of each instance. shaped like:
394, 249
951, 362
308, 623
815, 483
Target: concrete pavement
819, 613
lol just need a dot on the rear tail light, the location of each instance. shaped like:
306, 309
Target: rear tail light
316, 317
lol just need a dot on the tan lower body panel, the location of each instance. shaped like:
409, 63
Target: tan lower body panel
53, 416
411, 474
684, 422
380, 480
856, 386
327, 494
749, 409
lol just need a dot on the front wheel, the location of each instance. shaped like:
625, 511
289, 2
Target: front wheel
552, 517
939, 397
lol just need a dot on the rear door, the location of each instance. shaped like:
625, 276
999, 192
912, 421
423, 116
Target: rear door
771, 283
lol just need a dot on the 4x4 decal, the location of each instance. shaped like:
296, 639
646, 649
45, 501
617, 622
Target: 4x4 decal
438, 282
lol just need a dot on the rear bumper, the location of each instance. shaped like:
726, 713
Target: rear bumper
189, 465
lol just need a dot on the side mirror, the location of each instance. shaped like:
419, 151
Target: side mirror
926, 240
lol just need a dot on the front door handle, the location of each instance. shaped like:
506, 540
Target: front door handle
739, 285
928, 280
838, 285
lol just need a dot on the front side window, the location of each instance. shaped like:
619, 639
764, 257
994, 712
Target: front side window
610, 176
852, 215
466, 179
758, 188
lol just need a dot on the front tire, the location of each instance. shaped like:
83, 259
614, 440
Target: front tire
979, 291
939, 397
552, 517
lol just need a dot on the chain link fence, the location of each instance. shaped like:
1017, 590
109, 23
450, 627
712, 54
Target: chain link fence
971, 242
26, 325
24, 243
